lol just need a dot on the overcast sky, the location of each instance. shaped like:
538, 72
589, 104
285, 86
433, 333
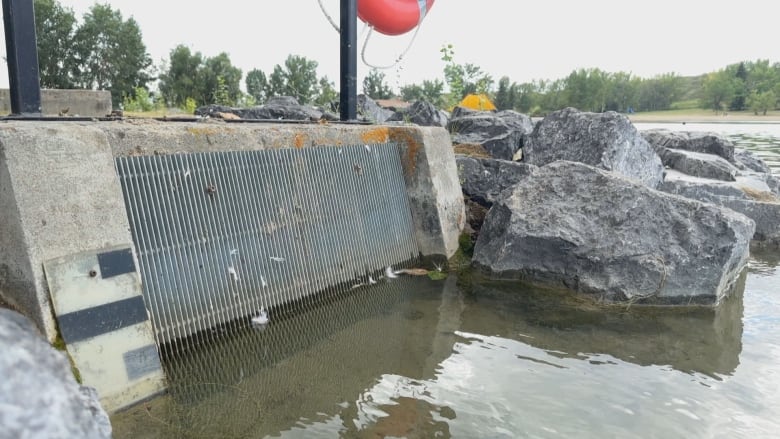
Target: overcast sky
525, 40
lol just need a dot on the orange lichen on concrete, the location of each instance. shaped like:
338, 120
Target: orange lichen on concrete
299, 140
376, 135
413, 145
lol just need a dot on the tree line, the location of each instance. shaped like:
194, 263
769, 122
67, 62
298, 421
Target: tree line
105, 51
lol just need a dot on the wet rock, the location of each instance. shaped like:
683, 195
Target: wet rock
698, 164
39, 398
421, 113
601, 234
703, 142
606, 140
501, 134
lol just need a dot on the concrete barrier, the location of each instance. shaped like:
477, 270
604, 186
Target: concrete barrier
60, 195
85, 103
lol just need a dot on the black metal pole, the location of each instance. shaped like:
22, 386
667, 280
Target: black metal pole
348, 87
22, 53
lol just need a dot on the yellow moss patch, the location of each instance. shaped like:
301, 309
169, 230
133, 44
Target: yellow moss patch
471, 150
760, 195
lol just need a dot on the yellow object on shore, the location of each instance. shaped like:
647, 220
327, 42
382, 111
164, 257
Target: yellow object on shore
478, 102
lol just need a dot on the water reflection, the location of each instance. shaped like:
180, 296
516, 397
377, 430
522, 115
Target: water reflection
392, 360
691, 340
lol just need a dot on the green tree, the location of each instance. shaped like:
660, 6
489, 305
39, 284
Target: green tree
463, 79
110, 53
659, 92
375, 87
762, 101
327, 94
718, 90
429, 91
55, 27
219, 81
505, 95
180, 80
257, 85
740, 88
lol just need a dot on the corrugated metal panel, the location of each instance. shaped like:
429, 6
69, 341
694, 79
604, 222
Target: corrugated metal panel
221, 234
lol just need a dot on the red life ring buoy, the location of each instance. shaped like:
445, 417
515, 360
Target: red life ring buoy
393, 17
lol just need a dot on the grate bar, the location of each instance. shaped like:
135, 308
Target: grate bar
222, 234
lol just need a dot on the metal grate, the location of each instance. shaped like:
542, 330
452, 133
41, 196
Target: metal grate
221, 234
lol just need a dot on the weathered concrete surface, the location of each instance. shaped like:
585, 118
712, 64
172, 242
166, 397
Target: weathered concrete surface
86, 103
605, 140
59, 193
601, 234
39, 397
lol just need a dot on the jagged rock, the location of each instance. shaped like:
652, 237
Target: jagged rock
39, 398
749, 160
483, 180
704, 142
749, 196
773, 182
598, 233
369, 111
698, 164
459, 111
501, 134
605, 140
421, 113
276, 108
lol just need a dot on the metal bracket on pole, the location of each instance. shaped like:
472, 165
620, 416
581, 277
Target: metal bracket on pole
22, 52
348, 86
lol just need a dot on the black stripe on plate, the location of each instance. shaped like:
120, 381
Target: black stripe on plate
116, 263
91, 322
141, 362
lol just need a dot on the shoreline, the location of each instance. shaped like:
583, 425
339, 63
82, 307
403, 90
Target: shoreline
700, 118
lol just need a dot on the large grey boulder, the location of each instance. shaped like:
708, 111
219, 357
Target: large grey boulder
483, 180
502, 134
698, 164
606, 140
745, 159
39, 398
421, 113
369, 111
696, 141
608, 236
749, 195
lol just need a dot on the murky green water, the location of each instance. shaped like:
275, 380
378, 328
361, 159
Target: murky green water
460, 358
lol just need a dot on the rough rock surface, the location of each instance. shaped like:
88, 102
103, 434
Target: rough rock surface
501, 134
598, 233
698, 164
748, 160
696, 141
276, 108
749, 196
483, 180
605, 140
421, 113
369, 111
39, 398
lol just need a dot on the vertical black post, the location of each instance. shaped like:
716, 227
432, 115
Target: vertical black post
22, 51
348, 87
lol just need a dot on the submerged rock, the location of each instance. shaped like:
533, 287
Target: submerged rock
39, 398
601, 234
606, 140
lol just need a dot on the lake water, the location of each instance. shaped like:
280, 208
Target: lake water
468, 358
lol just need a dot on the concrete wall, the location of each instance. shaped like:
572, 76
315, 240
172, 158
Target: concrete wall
59, 193
86, 103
